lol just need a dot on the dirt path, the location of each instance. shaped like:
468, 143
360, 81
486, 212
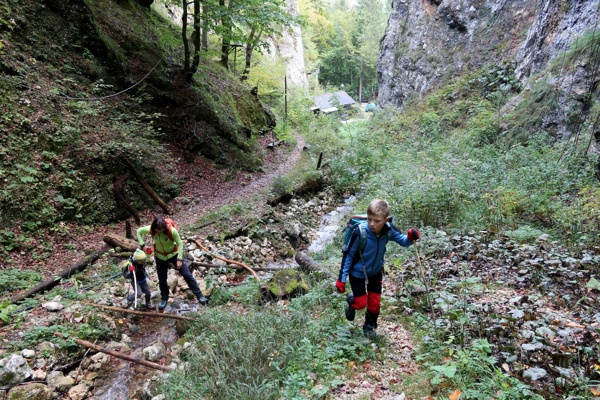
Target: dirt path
206, 188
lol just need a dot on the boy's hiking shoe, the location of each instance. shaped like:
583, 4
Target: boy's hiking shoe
370, 332
350, 312
162, 305
202, 300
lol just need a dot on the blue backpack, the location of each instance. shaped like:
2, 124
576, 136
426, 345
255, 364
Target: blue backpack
353, 222
356, 222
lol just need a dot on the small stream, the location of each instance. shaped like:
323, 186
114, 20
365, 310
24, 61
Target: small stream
125, 380
331, 223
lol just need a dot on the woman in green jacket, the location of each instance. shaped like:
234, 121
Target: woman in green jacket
168, 249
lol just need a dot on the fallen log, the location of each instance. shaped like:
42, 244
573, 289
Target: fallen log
205, 265
309, 265
66, 273
117, 354
146, 186
118, 188
119, 241
226, 260
144, 313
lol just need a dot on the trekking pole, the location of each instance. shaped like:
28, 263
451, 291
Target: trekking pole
134, 286
422, 273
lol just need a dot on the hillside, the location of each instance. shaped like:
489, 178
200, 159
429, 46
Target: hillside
92, 92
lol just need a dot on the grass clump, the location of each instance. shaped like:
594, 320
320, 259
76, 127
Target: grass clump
270, 352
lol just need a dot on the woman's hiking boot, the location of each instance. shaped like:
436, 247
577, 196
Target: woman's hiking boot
202, 300
162, 305
350, 311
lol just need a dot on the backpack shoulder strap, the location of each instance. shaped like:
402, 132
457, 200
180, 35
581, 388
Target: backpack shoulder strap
363, 236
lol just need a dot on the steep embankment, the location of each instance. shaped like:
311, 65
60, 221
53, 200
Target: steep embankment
92, 91
429, 43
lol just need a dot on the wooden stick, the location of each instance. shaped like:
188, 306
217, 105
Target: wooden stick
205, 265
145, 185
144, 313
226, 260
117, 354
66, 273
118, 189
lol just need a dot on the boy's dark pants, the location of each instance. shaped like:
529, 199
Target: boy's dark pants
142, 288
162, 267
369, 297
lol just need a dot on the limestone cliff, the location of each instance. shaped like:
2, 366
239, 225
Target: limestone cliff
290, 48
428, 42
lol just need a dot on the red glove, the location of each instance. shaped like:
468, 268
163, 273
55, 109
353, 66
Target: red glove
148, 250
131, 268
340, 286
413, 234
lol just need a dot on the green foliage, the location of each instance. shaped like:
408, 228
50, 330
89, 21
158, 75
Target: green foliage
583, 49
346, 42
473, 370
14, 280
526, 118
6, 309
281, 185
524, 233
269, 352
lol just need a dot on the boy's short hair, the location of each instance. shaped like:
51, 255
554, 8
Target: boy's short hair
379, 207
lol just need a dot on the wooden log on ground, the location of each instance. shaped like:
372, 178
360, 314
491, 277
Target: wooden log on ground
309, 265
118, 188
238, 267
119, 241
146, 186
66, 273
117, 354
144, 313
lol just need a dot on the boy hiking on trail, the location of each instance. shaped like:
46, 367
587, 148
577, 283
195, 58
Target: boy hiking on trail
362, 264
168, 249
135, 266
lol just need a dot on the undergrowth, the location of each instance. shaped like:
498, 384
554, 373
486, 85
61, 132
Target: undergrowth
270, 352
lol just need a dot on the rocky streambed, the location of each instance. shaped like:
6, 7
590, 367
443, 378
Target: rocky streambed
38, 364
535, 303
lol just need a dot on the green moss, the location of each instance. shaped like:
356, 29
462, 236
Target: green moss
287, 283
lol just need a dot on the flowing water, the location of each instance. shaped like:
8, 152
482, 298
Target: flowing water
331, 224
125, 380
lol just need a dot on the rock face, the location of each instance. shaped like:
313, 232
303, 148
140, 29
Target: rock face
429, 42
289, 46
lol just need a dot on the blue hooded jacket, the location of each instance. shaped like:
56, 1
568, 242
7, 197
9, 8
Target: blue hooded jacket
373, 252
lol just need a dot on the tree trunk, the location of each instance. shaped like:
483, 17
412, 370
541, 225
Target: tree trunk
118, 187
145, 185
117, 354
195, 42
204, 28
66, 273
186, 45
309, 265
225, 41
249, 50
120, 241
